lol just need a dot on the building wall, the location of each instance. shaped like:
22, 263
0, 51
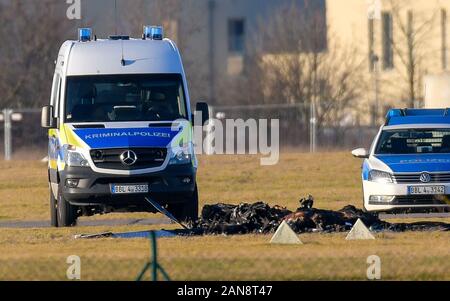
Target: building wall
202, 36
349, 21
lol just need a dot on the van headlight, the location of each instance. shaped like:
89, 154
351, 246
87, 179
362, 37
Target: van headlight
74, 158
181, 155
380, 176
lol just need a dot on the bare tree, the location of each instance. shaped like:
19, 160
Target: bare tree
301, 62
180, 19
410, 43
142, 12
31, 33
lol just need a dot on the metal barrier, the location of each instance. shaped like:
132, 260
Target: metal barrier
22, 133
153, 264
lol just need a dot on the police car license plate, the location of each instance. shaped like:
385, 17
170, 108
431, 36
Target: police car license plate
129, 189
427, 190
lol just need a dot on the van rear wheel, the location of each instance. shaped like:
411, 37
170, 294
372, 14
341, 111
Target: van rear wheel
67, 213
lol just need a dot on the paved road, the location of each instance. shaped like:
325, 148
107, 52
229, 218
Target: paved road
166, 221
88, 223
415, 215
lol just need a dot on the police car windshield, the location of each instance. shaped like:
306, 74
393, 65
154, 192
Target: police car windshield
121, 98
414, 141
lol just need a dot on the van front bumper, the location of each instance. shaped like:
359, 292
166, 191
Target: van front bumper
391, 196
167, 186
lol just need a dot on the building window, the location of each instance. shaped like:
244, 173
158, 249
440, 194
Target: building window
371, 45
444, 38
236, 36
387, 40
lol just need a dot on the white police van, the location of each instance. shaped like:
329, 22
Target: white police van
120, 128
408, 165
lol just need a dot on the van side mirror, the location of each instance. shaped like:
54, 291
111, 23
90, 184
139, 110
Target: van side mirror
360, 153
202, 108
47, 119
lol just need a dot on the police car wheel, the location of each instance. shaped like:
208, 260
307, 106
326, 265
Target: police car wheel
53, 210
67, 213
188, 211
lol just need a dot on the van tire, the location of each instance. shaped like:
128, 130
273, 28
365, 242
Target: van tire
187, 211
67, 213
53, 210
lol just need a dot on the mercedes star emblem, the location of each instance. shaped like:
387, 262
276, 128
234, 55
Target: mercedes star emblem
128, 157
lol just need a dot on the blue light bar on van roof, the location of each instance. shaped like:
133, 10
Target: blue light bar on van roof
153, 32
84, 34
417, 116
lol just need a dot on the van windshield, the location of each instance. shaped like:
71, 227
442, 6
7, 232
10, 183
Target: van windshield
115, 98
414, 141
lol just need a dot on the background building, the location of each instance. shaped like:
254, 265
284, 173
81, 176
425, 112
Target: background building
330, 67
215, 36
399, 42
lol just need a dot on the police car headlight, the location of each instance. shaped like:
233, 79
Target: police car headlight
181, 155
73, 158
380, 176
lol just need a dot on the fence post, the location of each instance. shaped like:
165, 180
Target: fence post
153, 266
154, 256
312, 128
7, 133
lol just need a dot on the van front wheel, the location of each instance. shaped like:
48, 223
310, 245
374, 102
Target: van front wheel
67, 213
53, 210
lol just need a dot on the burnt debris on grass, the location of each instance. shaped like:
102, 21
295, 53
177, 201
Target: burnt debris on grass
262, 218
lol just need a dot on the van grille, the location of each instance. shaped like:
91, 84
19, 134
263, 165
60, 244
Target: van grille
414, 178
146, 158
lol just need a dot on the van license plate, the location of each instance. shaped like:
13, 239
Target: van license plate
427, 190
129, 189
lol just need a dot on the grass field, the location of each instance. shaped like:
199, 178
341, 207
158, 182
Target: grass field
332, 178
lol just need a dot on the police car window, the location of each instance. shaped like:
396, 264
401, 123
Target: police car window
414, 141
116, 98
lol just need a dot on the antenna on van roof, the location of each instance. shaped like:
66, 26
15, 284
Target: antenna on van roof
122, 61
115, 16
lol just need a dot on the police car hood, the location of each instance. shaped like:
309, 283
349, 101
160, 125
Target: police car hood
413, 163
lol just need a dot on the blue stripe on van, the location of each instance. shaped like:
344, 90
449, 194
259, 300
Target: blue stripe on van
128, 137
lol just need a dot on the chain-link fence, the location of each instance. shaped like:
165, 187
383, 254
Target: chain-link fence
22, 137
299, 126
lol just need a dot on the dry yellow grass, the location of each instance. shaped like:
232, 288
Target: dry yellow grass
333, 178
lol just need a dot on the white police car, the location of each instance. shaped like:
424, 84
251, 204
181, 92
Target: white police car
408, 164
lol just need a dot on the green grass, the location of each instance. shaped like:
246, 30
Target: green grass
332, 178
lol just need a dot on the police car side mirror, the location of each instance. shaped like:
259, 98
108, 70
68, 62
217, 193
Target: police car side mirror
47, 119
202, 108
360, 153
